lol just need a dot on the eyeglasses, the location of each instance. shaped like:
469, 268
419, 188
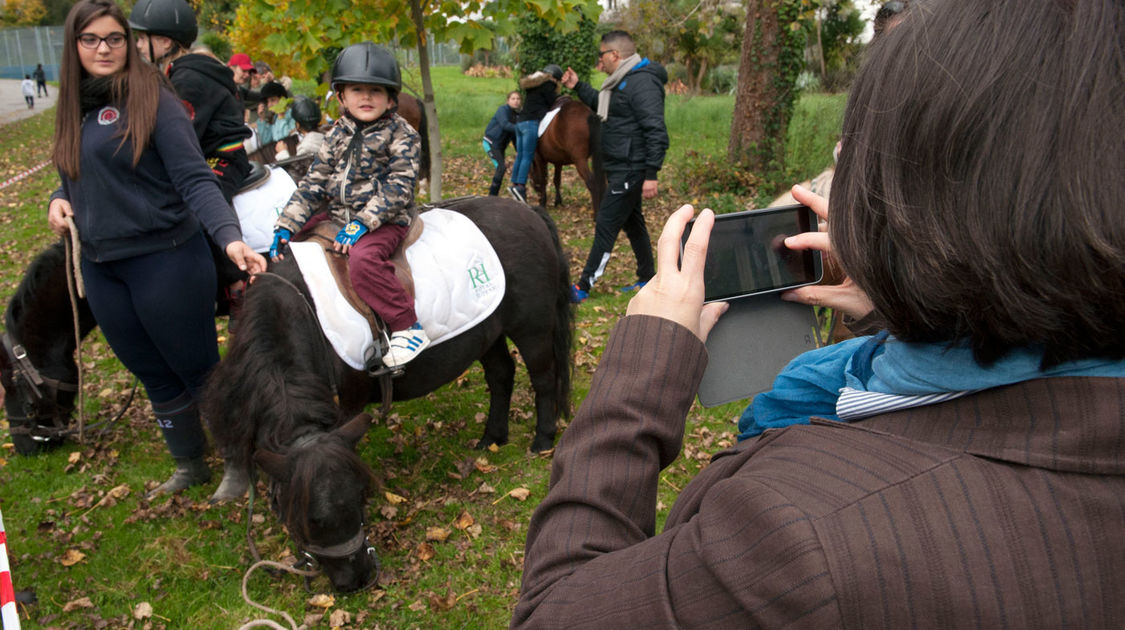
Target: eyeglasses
604, 52
113, 40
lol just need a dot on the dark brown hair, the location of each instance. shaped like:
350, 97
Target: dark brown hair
977, 197
138, 84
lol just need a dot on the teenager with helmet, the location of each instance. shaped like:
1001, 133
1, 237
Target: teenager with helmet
165, 30
541, 89
306, 114
135, 183
366, 171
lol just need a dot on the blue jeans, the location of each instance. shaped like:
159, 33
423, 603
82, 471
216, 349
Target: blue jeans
527, 136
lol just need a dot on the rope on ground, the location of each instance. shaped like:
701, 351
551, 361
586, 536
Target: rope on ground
246, 597
76, 288
24, 175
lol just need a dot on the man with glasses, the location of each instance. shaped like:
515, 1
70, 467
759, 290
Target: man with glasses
634, 140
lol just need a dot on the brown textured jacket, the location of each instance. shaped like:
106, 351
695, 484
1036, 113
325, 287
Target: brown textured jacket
1004, 509
376, 186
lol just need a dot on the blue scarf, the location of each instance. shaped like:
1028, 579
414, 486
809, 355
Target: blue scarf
898, 375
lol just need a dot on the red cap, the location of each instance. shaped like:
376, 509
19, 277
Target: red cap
242, 60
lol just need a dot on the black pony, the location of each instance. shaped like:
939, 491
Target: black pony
281, 393
37, 367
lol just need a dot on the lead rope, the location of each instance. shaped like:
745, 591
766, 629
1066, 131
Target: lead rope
77, 289
268, 623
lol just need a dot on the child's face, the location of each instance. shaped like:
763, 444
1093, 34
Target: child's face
514, 101
366, 102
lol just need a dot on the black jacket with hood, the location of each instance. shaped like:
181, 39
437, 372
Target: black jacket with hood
634, 137
207, 89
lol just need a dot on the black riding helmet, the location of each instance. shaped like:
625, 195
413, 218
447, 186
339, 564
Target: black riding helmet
306, 112
554, 70
273, 88
173, 19
368, 64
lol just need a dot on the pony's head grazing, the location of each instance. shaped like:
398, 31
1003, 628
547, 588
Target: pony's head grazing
319, 489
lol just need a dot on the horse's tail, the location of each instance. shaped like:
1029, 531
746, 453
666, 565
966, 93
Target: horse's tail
273, 376
564, 316
597, 164
424, 134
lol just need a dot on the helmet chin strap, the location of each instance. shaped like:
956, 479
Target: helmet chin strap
158, 62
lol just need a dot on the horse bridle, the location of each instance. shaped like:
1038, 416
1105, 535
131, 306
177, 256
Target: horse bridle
308, 553
27, 377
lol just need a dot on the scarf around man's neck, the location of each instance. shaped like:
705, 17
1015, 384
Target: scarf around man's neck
611, 82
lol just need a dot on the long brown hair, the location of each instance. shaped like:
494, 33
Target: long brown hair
975, 199
138, 84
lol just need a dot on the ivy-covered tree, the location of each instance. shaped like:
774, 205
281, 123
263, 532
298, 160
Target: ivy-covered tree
773, 47
302, 30
540, 43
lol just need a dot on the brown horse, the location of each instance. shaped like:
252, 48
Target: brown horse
409, 108
573, 137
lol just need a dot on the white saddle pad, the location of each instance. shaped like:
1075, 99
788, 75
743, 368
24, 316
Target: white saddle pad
259, 208
458, 282
546, 120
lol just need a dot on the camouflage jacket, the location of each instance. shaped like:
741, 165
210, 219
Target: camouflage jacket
378, 189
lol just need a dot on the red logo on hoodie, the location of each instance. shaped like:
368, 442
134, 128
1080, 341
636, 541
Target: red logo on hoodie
190, 110
108, 115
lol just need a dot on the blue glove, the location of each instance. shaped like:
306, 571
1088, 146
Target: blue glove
280, 234
351, 233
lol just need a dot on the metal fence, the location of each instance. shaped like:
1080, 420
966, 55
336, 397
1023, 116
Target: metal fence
21, 49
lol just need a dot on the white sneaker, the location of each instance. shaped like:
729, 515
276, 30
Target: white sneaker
405, 345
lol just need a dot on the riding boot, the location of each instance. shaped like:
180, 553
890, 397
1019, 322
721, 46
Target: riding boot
190, 471
235, 483
183, 433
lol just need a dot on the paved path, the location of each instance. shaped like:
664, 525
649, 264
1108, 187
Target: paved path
12, 105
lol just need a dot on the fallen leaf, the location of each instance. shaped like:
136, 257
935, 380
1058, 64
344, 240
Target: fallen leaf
142, 610
322, 600
74, 457
81, 602
464, 520
483, 466
442, 603
417, 606
393, 498
437, 534
485, 488
389, 512
339, 617
425, 552
72, 557
493, 448
520, 494
475, 530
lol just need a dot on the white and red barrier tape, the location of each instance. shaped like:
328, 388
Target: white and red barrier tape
9, 616
24, 175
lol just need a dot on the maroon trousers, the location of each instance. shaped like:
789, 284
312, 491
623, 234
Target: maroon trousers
373, 276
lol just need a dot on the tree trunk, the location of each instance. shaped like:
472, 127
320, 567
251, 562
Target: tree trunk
428, 102
767, 76
699, 77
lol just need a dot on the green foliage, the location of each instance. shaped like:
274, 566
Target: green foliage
541, 43
840, 26
699, 34
217, 43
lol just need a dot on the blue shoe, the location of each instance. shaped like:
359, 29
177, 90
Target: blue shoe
578, 296
633, 287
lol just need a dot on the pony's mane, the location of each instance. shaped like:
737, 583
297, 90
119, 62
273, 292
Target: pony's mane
273, 373
326, 459
34, 280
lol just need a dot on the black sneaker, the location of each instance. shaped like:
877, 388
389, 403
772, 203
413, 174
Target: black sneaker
517, 193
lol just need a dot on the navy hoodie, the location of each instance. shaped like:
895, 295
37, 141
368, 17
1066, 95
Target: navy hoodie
123, 211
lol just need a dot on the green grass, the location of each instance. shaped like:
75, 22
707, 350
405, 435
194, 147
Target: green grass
186, 558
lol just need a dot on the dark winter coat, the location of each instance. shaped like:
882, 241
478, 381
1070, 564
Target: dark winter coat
208, 91
634, 137
502, 128
540, 93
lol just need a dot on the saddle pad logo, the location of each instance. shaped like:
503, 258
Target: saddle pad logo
479, 279
108, 115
